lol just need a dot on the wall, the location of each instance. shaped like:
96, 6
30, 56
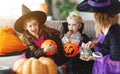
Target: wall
10, 8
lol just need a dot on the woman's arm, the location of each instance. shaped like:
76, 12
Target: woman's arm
91, 44
114, 41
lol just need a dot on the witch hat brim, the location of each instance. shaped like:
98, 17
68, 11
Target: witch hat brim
113, 8
20, 22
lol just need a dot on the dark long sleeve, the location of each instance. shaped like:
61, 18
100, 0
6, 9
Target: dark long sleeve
111, 43
85, 38
33, 50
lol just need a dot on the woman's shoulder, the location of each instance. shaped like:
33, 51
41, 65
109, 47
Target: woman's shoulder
114, 31
115, 28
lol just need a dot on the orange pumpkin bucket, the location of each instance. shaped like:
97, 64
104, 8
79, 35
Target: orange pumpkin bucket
71, 49
50, 43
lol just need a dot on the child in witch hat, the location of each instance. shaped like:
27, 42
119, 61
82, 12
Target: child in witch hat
107, 29
35, 33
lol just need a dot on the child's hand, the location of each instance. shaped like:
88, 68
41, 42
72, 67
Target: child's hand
48, 48
68, 34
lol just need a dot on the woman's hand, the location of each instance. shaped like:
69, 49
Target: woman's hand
68, 34
90, 45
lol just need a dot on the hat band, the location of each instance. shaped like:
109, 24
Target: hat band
95, 4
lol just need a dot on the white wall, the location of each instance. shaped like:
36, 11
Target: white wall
85, 15
10, 8
33, 4
13, 8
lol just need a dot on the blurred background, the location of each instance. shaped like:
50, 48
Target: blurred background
55, 9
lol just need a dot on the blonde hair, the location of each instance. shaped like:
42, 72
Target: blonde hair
75, 17
103, 21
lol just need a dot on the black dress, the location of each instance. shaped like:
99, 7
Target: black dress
76, 65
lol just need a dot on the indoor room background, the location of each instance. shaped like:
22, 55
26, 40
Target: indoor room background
55, 9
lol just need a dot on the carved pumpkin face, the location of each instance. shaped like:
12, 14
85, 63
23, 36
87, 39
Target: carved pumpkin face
70, 50
50, 43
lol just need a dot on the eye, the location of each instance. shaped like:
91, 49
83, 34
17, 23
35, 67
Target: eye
35, 24
74, 24
30, 26
69, 24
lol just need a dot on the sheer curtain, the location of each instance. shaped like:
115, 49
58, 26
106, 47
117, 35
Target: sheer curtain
13, 8
10, 8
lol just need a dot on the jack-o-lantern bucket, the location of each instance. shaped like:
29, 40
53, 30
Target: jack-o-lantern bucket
49, 43
71, 49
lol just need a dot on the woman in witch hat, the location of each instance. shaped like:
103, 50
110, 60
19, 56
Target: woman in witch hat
107, 29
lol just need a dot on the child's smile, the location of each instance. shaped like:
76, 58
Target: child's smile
32, 27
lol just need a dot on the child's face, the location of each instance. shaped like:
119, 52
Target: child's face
73, 26
32, 27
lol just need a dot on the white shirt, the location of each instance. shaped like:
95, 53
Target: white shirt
74, 38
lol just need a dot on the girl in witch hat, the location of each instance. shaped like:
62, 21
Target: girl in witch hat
107, 29
35, 33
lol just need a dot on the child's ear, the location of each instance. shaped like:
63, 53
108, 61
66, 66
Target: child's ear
80, 25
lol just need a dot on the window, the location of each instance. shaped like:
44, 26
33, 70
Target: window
13, 8
10, 8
